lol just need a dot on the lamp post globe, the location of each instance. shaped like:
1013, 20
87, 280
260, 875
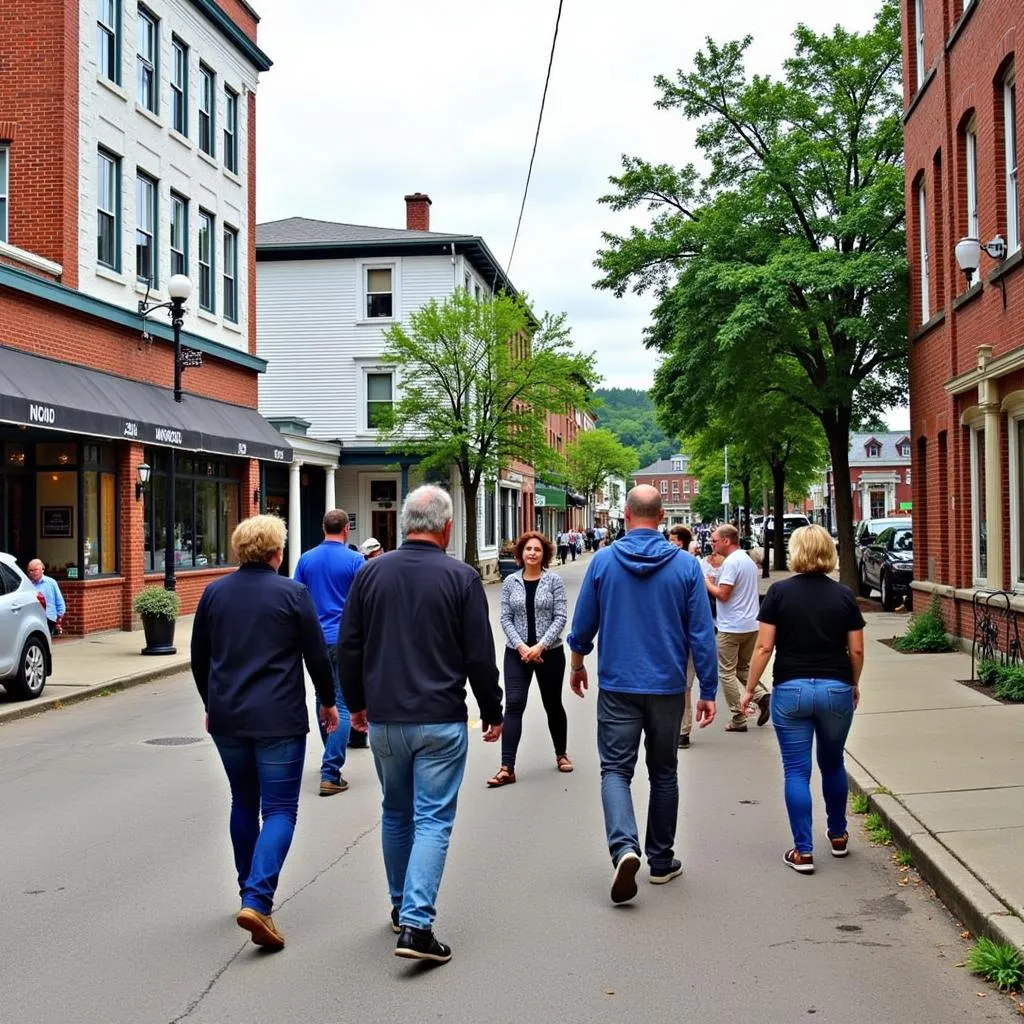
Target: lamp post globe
968, 255
179, 288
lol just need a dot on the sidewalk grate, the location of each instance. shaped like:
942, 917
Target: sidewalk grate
174, 741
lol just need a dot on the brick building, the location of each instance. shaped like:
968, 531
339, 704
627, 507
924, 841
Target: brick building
127, 155
678, 487
962, 132
557, 507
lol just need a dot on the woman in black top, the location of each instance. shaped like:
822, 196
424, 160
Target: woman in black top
817, 632
533, 614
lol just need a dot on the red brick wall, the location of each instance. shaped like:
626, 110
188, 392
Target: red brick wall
241, 16
967, 80
92, 605
39, 111
682, 496
37, 326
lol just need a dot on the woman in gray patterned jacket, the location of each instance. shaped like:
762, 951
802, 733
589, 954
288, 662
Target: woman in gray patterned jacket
533, 615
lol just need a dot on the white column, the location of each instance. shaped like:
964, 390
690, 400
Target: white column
865, 502
294, 515
988, 393
330, 500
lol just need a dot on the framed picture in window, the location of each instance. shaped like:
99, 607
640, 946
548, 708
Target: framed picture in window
56, 521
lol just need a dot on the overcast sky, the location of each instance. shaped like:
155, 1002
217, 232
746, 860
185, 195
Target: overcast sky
368, 102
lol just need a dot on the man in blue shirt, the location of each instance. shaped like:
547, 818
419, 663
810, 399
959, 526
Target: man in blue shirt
647, 600
328, 571
47, 586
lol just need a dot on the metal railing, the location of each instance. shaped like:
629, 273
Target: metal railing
993, 616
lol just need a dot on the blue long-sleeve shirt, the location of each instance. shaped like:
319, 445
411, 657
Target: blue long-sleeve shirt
55, 606
647, 601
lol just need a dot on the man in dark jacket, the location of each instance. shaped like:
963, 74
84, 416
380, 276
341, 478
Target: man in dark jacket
414, 629
647, 600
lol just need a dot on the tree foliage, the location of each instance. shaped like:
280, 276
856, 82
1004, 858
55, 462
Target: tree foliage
629, 414
794, 235
593, 456
476, 380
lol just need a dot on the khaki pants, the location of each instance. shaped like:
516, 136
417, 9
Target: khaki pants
734, 653
688, 707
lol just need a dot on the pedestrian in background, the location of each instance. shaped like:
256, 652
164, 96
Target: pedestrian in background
533, 614
328, 571
817, 632
416, 627
562, 541
54, 599
647, 601
371, 548
251, 633
682, 538
736, 594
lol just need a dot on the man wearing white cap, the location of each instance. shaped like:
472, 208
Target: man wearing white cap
370, 548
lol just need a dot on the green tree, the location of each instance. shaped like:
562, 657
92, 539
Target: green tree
797, 227
595, 455
476, 382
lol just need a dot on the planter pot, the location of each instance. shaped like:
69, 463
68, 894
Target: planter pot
159, 635
506, 566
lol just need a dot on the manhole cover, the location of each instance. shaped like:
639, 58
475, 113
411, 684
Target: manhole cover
174, 741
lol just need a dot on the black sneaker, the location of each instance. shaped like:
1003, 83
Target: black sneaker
420, 944
395, 926
684, 741
624, 882
661, 876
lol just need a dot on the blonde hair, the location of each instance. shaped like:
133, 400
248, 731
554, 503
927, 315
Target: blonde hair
812, 549
257, 538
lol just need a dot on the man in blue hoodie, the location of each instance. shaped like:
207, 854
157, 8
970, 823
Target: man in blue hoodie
647, 599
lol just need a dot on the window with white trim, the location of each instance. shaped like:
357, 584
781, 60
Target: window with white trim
908, 477
108, 39
979, 539
677, 465
108, 210
1010, 157
696, 487
207, 299
1016, 439
179, 86
874, 451
230, 274
971, 167
919, 40
675, 488
686, 487
207, 113
664, 487
147, 50
5, 186
231, 129
380, 397
179, 235
922, 251
380, 293
145, 228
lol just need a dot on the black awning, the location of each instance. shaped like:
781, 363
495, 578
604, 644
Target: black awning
38, 392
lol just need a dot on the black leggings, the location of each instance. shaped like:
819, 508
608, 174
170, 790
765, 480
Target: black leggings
517, 677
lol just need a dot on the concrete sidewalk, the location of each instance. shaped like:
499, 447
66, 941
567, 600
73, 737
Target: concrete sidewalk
101, 662
944, 766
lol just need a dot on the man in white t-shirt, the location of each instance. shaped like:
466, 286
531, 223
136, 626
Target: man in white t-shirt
736, 592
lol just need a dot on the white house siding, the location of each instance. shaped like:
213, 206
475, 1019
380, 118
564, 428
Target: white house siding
109, 116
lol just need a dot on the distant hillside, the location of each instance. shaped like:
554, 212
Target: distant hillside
629, 414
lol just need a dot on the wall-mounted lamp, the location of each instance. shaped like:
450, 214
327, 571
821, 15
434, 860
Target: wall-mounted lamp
142, 472
256, 497
968, 257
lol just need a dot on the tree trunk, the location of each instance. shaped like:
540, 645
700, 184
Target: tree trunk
837, 432
469, 494
778, 508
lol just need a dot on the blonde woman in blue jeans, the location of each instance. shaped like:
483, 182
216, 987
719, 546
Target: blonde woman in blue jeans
816, 630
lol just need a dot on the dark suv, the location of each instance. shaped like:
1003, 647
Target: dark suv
866, 532
888, 564
790, 523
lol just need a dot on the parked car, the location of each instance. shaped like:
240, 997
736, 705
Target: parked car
790, 522
888, 565
866, 532
25, 658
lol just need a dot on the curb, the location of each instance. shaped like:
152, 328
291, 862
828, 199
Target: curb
966, 896
24, 709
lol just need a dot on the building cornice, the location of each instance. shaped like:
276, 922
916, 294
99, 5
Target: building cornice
215, 14
994, 368
79, 302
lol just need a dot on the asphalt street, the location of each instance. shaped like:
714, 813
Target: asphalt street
119, 897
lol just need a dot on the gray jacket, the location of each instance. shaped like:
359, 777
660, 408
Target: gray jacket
549, 605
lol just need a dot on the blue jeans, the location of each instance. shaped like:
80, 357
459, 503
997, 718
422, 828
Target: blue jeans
420, 768
335, 743
621, 717
803, 709
265, 777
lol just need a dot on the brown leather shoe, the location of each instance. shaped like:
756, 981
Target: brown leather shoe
328, 788
262, 928
764, 709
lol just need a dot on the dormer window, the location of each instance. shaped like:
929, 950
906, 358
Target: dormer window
905, 451
874, 450
677, 465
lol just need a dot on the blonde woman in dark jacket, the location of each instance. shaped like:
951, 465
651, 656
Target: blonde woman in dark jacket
533, 615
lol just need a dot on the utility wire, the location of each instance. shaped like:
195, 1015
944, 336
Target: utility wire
536, 137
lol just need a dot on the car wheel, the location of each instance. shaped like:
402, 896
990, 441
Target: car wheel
888, 604
30, 679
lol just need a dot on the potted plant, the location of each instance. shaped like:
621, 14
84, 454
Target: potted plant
506, 559
159, 608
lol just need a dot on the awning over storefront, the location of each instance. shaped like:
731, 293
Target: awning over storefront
46, 393
549, 497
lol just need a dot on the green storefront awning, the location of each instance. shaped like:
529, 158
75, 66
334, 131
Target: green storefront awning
549, 497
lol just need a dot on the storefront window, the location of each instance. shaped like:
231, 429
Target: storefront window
206, 503
57, 509
978, 513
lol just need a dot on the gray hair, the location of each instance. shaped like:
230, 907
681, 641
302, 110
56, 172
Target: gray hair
426, 510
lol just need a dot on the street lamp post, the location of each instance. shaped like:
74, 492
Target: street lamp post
179, 288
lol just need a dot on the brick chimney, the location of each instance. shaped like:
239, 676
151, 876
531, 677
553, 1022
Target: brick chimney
417, 212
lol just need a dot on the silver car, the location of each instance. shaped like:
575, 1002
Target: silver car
25, 658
